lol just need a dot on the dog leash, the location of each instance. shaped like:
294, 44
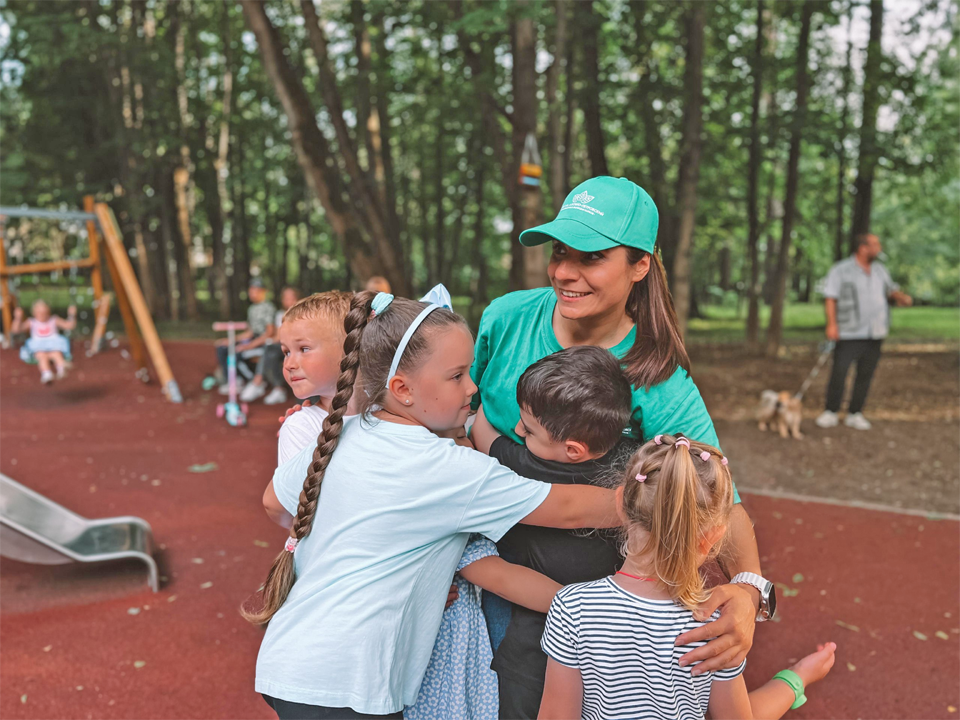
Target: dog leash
827, 348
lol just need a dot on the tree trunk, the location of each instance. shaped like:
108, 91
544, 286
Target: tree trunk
869, 151
532, 270
646, 92
589, 23
775, 328
183, 175
382, 257
841, 229
689, 160
753, 177
571, 116
554, 113
168, 226
222, 167
241, 244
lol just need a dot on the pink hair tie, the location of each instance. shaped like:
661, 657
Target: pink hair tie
641, 477
723, 461
682, 441
658, 439
704, 456
291, 544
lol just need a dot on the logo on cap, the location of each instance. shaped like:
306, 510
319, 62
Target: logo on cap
583, 197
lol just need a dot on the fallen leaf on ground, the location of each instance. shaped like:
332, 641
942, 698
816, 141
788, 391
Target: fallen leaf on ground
139, 664
919, 635
851, 667
848, 626
206, 467
798, 577
171, 598
48, 648
79, 687
261, 543
23, 699
197, 561
206, 585
950, 708
133, 611
942, 635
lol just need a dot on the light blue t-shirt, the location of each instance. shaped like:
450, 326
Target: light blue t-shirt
396, 508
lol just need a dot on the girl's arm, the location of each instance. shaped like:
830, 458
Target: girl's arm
729, 699
518, 584
482, 433
19, 324
275, 510
576, 506
71, 322
562, 693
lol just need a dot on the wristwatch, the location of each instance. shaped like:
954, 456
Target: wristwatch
768, 593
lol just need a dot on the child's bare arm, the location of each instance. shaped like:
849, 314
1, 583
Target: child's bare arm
729, 700
562, 692
576, 506
275, 510
482, 433
518, 584
19, 324
71, 322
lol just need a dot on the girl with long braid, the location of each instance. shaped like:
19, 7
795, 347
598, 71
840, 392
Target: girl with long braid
354, 602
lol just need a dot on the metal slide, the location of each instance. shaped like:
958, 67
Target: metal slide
34, 529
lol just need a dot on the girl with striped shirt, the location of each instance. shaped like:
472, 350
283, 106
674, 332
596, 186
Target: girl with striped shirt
610, 643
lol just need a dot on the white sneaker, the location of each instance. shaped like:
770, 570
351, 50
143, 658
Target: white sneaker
857, 421
225, 388
46, 377
253, 391
276, 396
827, 419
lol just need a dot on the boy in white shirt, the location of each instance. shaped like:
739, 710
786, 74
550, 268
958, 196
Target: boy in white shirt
311, 338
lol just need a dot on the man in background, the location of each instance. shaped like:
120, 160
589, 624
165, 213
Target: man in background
858, 292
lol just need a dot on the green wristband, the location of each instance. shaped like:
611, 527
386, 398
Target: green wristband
795, 683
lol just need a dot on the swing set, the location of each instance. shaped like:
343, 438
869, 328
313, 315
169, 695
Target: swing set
103, 234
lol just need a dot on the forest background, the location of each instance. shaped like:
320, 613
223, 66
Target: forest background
319, 144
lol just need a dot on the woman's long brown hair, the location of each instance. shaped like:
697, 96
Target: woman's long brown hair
658, 348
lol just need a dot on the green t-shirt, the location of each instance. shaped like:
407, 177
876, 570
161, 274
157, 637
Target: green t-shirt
516, 330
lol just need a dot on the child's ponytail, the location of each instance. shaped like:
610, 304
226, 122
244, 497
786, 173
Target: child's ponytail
675, 526
282, 575
676, 490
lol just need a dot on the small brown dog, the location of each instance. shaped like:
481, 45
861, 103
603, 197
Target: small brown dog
782, 411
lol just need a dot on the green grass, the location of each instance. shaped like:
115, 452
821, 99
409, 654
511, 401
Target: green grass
806, 322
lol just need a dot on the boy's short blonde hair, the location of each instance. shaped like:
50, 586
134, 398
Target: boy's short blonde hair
329, 308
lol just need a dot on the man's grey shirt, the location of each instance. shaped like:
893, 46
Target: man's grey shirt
863, 310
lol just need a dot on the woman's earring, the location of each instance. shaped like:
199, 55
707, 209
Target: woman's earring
407, 402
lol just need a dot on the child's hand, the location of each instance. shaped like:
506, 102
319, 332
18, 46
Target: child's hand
452, 596
72, 311
18, 313
291, 411
816, 665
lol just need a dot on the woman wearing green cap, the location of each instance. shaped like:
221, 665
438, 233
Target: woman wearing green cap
608, 288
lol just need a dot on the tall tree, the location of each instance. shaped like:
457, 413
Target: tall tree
840, 143
869, 150
555, 116
689, 158
753, 176
589, 22
775, 327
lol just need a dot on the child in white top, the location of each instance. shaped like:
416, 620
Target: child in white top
611, 642
45, 346
355, 632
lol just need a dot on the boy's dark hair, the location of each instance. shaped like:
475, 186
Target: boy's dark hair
580, 393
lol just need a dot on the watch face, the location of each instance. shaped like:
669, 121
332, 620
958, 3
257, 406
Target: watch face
771, 599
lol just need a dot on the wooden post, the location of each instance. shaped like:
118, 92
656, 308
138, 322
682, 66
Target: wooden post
96, 279
128, 281
102, 314
5, 292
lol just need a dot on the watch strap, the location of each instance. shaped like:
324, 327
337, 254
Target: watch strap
796, 684
763, 587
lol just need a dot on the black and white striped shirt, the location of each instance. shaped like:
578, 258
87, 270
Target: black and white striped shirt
623, 646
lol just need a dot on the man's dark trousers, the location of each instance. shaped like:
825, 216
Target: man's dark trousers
866, 354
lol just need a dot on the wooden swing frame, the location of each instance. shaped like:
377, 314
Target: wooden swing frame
137, 322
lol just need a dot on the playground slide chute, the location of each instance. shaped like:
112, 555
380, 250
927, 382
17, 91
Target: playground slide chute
34, 529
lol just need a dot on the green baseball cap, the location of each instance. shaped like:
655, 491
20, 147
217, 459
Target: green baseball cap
599, 214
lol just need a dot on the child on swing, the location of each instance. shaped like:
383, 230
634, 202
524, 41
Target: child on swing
45, 346
611, 642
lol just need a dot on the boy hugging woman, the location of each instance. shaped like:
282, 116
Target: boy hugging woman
384, 507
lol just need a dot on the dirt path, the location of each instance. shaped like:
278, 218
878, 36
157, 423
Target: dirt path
910, 459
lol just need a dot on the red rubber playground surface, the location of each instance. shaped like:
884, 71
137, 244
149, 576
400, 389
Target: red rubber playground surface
79, 642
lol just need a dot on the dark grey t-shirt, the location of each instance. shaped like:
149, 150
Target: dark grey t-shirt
566, 556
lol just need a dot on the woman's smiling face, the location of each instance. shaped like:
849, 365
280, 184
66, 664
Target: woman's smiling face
590, 284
